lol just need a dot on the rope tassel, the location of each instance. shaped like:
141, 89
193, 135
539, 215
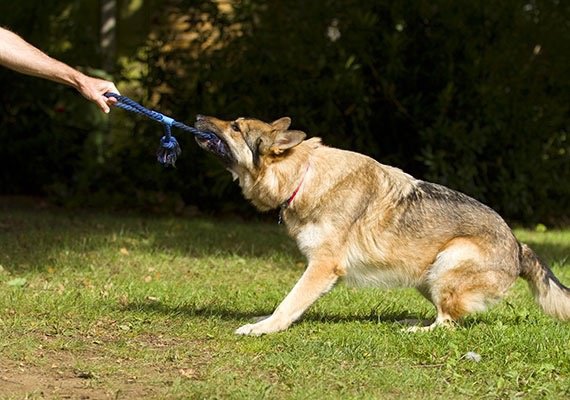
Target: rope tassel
169, 149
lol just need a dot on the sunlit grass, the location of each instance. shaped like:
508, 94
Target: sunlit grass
146, 306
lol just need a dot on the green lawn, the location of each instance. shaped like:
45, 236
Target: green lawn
97, 305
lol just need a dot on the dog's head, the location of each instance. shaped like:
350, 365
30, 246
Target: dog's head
249, 145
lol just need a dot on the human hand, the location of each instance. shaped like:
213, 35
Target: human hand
93, 89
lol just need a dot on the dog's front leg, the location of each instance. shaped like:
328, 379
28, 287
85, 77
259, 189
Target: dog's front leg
318, 278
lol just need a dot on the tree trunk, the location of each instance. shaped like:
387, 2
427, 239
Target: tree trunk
108, 33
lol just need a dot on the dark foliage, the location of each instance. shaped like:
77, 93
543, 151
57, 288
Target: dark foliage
472, 95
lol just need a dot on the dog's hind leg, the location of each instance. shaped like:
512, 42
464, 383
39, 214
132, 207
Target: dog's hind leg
318, 278
463, 280
457, 293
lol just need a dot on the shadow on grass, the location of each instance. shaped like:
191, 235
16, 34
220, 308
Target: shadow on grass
34, 237
237, 315
400, 319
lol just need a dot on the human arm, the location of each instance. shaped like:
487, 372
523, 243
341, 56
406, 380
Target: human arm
20, 56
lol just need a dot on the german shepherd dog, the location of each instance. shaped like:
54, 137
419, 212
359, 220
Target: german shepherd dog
372, 224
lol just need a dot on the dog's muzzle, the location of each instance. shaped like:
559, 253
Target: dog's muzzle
211, 142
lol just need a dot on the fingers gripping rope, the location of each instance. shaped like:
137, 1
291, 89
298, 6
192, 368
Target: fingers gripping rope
169, 149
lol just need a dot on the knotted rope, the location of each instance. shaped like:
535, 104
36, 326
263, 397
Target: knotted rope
169, 149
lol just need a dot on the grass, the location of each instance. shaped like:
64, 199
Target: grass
97, 305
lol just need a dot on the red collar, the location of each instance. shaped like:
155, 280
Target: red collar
288, 202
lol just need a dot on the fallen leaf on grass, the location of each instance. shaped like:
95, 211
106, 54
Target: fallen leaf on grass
472, 356
124, 300
189, 373
17, 282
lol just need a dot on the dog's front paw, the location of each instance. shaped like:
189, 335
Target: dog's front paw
260, 328
247, 330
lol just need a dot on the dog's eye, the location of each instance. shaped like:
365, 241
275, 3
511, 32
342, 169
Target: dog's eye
235, 127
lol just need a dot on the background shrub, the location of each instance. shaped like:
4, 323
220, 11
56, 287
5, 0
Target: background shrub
473, 95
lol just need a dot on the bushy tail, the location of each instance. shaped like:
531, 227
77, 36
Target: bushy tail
552, 296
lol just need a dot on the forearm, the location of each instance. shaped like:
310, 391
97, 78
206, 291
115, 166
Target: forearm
17, 54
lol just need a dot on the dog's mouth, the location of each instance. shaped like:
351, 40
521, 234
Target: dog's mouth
211, 141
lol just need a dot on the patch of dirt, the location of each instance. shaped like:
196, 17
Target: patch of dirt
53, 374
25, 381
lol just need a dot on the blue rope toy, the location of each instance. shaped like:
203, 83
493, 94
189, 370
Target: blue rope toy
169, 149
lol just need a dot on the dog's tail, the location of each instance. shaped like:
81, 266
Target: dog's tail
552, 296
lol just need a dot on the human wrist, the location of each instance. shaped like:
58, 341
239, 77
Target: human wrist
77, 80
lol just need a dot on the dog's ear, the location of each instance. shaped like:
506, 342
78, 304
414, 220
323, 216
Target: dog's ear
282, 138
281, 124
286, 140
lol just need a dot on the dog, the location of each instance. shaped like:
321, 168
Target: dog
374, 225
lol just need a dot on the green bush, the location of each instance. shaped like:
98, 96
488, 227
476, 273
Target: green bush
472, 95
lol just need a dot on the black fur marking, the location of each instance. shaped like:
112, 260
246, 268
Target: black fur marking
549, 276
438, 192
255, 151
431, 191
428, 204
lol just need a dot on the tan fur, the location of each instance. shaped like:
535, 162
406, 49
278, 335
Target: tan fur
375, 225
